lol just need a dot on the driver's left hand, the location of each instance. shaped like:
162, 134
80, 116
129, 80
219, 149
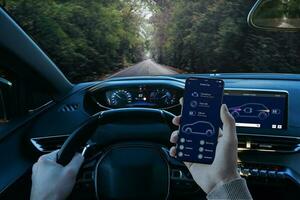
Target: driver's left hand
52, 181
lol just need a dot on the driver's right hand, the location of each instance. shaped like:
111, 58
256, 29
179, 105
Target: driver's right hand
224, 167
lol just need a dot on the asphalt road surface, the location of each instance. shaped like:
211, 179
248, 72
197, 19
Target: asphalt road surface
145, 68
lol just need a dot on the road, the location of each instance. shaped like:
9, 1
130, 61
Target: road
145, 68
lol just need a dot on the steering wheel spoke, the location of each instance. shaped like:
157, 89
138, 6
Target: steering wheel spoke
182, 181
124, 159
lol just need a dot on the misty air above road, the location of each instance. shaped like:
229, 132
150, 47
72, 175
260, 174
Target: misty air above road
145, 68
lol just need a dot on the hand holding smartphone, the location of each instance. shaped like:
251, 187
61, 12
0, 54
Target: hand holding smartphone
200, 120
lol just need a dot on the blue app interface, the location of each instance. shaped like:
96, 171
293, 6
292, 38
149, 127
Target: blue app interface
200, 120
257, 110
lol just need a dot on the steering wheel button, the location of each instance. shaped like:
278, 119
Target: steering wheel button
200, 156
202, 142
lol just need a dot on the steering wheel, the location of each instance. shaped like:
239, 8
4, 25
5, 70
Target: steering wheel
133, 162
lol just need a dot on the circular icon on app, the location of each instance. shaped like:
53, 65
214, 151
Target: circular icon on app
202, 142
195, 94
182, 140
180, 154
200, 156
181, 147
201, 149
194, 104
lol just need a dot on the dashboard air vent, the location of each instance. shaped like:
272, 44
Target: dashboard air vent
268, 144
48, 144
69, 108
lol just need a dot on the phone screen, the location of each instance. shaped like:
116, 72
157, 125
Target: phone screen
200, 121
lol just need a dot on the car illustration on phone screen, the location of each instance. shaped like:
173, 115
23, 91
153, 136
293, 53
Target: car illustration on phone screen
250, 110
199, 127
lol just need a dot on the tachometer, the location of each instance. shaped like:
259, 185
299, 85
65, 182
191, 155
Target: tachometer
162, 97
120, 98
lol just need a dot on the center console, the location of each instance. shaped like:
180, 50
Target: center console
264, 145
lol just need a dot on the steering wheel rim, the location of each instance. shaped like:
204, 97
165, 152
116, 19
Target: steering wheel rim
82, 134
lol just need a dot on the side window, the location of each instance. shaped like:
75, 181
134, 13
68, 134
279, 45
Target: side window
18, 97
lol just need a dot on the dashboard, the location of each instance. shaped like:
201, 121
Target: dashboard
262, 111
266, 113
268, 133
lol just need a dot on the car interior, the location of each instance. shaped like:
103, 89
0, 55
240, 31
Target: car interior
122, 125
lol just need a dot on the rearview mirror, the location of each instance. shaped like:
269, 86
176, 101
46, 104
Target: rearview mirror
275, 15
5, 87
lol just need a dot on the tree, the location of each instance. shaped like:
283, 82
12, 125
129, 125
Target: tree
87, 39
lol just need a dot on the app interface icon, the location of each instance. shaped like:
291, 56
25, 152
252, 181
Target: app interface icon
200, 120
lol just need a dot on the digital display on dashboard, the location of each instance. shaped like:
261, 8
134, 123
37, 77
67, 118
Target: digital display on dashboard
142, 96
257, 109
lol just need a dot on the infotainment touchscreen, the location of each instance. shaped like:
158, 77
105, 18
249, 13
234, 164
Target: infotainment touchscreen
257, 109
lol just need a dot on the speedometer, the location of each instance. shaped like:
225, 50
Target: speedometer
120, 98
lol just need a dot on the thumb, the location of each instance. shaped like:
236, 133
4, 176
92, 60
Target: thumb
228, 121
75, 163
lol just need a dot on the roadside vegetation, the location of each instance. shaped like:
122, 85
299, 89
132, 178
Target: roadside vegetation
90, 39
207, 36
85, 38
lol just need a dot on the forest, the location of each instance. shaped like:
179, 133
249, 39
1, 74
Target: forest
91, 39
87, 39
201, 36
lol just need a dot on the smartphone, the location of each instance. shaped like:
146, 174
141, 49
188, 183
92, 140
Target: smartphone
200, 120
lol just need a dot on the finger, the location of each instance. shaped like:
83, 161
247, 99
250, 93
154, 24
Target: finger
228, 123
173, 151
220, 133
49, 157
176, 120
34, 168
75, 163
174, 137
188, 164
181, 101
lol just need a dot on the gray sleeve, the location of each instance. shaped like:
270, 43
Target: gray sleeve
235, 189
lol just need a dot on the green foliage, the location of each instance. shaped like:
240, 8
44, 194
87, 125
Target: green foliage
89, 39
201, 36
85, 38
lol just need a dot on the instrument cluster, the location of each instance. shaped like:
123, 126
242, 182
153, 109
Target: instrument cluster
142, 96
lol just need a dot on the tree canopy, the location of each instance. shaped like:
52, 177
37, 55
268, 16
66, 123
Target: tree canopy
87, 39
213, 36
90, 39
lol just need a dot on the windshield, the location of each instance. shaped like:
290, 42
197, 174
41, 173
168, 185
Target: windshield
98, 39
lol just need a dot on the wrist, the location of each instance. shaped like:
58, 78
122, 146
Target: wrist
46, 197
227, 179
221, 181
